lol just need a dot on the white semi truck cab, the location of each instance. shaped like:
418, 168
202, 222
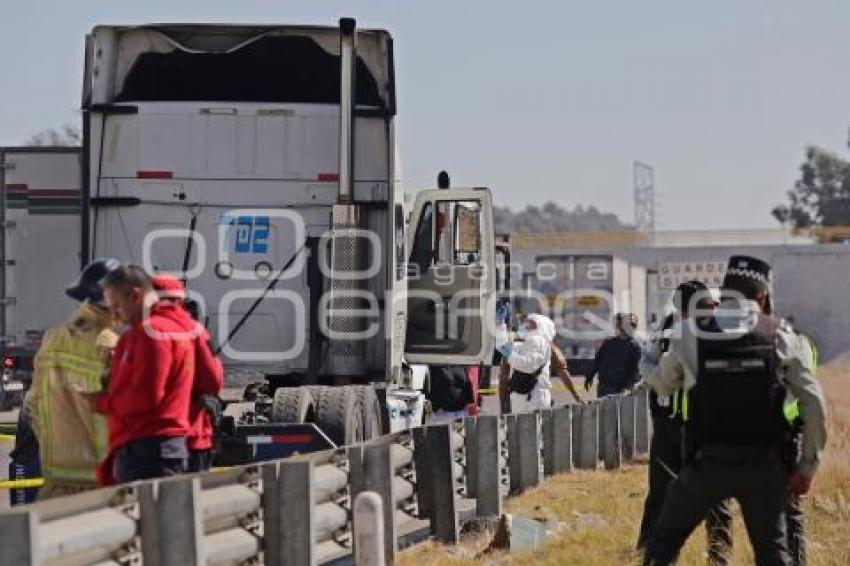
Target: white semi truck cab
258, 164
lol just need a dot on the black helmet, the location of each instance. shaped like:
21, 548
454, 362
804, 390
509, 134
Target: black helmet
86, 287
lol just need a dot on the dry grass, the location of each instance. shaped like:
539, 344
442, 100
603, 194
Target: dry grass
618, 498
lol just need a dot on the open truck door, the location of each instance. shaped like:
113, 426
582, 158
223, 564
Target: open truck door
451, 278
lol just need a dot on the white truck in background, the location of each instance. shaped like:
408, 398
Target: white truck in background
39, 253
583, 292
259, 163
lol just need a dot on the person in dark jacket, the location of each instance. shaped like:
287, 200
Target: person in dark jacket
617, 359
450, 389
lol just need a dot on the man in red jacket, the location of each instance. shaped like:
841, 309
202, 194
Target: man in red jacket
209, 378
150, 382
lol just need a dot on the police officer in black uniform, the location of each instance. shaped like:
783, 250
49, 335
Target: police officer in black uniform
736, 367
667, 450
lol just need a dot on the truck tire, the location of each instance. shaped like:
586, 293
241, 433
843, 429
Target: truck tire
338, 415
370, 408
293, 405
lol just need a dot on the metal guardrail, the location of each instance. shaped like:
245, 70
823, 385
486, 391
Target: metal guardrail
299, 510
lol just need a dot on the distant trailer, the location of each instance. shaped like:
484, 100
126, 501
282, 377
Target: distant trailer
582, 293
40, 209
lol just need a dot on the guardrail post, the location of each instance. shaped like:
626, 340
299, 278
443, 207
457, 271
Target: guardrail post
471, 455
488, 499
171, 522
523, 451
586, 436
628, 429
642, 422
424, 474
368, 524
435, 458
288, 522
378, 475
610, 432
576, 434
557, 440
446, 527
19, 538
548, 437
356, 481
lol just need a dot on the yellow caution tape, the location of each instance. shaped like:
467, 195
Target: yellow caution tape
28, 483
494, 390
22, 484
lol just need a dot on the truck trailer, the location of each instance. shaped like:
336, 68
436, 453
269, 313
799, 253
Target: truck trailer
39, 253
582, 293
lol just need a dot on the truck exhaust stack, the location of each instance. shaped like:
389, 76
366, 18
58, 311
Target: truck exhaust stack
346, 356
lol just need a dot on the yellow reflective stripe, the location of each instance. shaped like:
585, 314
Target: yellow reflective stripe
680, 405
22, 484
101, 437
98, 421
791, 411
812, 350
74, 474
46, 438
73, 362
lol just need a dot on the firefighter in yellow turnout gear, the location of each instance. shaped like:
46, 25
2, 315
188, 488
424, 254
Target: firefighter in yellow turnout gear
73, 357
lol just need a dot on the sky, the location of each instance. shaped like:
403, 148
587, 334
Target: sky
540, 101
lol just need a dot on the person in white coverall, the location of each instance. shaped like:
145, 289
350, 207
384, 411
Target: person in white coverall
532, 357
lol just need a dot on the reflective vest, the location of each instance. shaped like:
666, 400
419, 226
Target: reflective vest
72, 358
791, 410
811, 350
680, 406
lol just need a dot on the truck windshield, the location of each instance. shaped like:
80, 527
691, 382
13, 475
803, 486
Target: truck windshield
289, 69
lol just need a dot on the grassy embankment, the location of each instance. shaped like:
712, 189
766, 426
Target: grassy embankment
617, 497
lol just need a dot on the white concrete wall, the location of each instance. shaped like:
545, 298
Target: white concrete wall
812, 282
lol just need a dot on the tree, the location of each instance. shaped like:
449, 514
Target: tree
67, 135
553, 218
821, 196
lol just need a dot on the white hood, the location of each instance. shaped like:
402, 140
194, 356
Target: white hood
545, 327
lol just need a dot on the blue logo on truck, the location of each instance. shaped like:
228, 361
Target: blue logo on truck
252, 233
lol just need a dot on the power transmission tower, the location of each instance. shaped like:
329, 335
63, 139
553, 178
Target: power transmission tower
643, 177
